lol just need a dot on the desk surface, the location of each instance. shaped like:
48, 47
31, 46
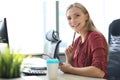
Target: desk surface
61, 76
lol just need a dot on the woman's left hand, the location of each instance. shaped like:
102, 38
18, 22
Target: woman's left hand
65, 67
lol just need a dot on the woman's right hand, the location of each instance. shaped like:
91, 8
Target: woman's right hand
69, 53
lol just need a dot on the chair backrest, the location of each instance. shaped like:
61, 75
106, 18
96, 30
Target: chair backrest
53, 37
55, 48
114, 45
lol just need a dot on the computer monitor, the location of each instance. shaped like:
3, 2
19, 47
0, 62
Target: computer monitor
3, 31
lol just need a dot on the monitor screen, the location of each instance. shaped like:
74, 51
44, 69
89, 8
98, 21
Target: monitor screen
3, 31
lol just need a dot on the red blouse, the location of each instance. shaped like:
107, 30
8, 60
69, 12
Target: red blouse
93, 52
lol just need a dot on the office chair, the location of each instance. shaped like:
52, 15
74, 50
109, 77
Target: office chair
114, 55
53, 37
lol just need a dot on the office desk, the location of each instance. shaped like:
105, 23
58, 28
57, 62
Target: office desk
61, 76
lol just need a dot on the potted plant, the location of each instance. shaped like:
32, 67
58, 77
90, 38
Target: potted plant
10, 63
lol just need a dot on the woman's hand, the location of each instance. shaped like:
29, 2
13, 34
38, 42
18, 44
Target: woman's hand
66, 68
69, 54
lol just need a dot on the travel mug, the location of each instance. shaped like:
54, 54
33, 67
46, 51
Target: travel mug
52, 69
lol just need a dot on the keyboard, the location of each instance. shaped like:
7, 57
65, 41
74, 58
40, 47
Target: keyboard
29, 71
34, 66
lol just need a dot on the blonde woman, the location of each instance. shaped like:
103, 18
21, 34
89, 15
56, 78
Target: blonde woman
88, 54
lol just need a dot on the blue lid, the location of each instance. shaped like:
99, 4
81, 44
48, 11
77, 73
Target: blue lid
50, 61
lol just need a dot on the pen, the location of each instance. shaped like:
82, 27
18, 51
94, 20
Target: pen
73, 38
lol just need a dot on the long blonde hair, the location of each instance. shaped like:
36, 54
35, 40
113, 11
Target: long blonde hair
90, 25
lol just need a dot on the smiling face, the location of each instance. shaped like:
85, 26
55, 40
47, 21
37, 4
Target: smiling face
77, 19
